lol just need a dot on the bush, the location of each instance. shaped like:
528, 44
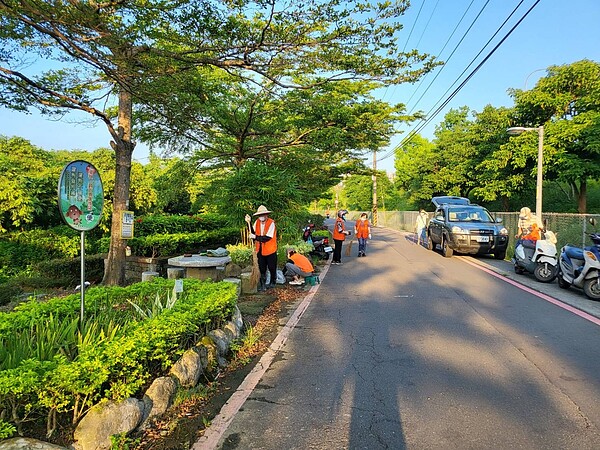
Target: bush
67, 271
240, 254
180, 243
172, 224
48, 368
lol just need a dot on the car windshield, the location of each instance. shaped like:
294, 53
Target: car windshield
468, 214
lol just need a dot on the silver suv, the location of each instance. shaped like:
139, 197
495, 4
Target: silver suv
461, 226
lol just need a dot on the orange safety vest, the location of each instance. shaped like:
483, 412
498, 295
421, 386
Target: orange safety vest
260, 229
362, 228
302, 262
337, 235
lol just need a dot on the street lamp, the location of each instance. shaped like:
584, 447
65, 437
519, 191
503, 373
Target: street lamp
540, 163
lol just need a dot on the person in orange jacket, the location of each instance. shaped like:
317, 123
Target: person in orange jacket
264, 234
362, 231
298, 266
339, 235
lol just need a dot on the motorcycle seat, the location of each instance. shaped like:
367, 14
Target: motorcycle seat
574, 252
527, 243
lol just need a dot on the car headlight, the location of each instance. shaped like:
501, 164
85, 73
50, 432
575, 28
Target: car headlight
503, 232
458, 230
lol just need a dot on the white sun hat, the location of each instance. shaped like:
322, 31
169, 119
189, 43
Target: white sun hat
262, 209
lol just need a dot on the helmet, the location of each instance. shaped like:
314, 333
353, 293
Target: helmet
342, 213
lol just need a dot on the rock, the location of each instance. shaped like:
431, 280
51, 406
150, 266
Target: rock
106, 419
238, 319
147, 276
231, 331
247, 287
188, 369
233, 270
158, 398
174, 273
221, 340
20, 443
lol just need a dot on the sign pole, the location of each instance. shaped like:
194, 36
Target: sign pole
82, 284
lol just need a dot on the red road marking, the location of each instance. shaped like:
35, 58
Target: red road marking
549, 299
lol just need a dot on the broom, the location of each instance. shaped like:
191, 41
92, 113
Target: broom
349, 247
255, 274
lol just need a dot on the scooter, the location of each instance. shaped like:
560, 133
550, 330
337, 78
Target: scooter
538, 258
322, 249
580, 267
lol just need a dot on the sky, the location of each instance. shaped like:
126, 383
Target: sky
555, 32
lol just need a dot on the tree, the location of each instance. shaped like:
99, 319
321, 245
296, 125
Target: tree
27, 185
567, 102
112, 56
414, 162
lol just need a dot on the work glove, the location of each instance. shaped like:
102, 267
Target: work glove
252, 236
369, 235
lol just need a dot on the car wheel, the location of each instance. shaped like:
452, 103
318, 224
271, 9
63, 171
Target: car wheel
544, 272
430, 244
446, 250
562, 283
591, 288
500, 255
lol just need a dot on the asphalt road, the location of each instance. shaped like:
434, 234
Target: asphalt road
408, 349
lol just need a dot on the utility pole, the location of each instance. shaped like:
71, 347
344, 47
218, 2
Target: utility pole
374, 178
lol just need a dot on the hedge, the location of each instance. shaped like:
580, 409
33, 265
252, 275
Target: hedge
112, 366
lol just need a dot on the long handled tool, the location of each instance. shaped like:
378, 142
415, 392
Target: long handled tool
349, 247
255, 274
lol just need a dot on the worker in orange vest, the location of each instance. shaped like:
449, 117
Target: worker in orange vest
298, 266
264, 234
339, 235
362, 231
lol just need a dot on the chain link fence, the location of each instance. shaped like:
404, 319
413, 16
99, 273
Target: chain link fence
571, 229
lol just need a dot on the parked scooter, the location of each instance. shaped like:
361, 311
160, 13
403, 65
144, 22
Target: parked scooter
580, 267
322, 249
538, 258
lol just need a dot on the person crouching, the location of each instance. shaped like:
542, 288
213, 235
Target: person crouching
298, 266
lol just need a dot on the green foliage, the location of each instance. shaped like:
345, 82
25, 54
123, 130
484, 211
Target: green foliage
48, 365
172, 224
122, 442
240, 254
7, 430
261, 184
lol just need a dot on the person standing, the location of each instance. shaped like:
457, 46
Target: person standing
298, 266
339, 235
421, 227
264, 234
362, 231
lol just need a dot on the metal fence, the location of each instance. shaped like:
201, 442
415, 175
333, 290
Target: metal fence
571, 229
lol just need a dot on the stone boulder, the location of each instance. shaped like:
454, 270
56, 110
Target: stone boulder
188, 368
158, 398
21, 443
106, 419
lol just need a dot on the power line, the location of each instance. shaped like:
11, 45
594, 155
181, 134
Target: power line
451, 54
424, 122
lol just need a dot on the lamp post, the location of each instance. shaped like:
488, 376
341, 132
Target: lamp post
540, 164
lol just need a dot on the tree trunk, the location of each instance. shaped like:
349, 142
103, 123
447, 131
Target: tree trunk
582, 197
114, 271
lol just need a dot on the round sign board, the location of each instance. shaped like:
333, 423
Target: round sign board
80, 195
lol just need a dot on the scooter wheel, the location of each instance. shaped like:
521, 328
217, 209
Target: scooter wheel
544, 273
591, 288
519, 270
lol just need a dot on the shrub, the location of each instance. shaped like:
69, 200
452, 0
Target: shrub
240, 254
176, 244
173, 224
66, 373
